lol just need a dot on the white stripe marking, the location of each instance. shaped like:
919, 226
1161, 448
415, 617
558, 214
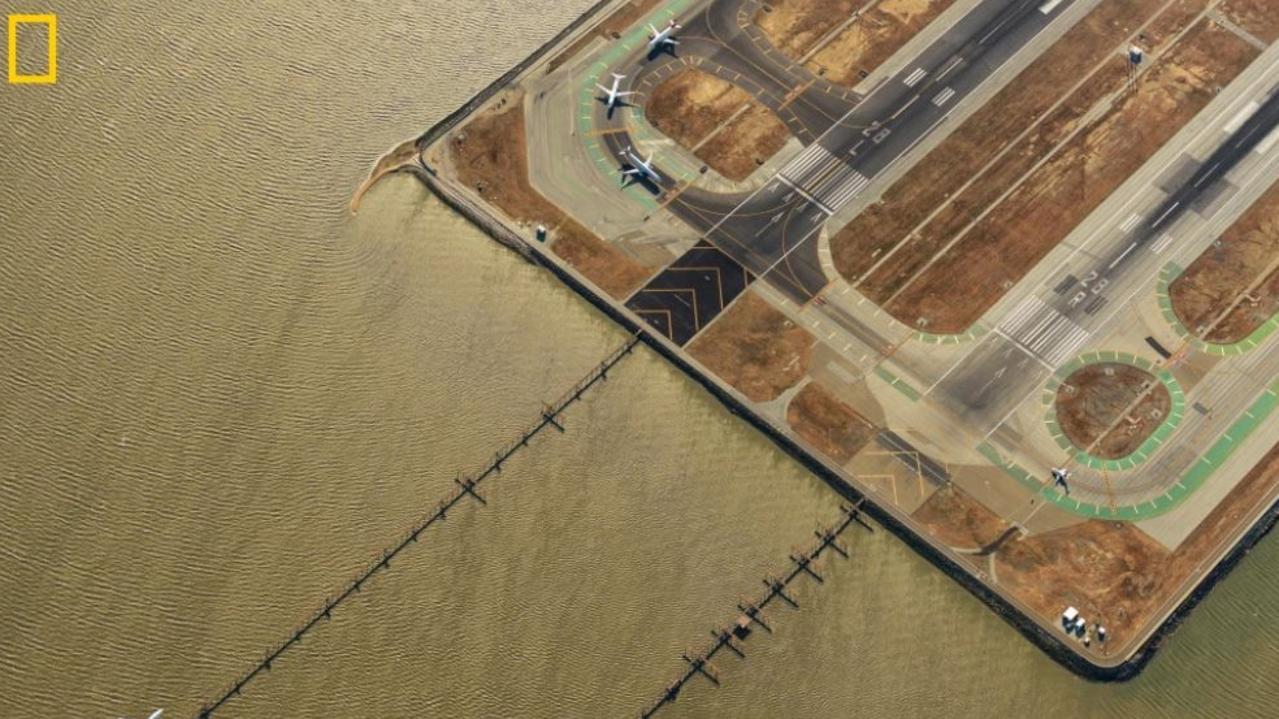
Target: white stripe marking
943, 97
1238, 120
1121, 257
1049, 6
1167, 212
1130, 223
807, 196
914, 78
1269, 142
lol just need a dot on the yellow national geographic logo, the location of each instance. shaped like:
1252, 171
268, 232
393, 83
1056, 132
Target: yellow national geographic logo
51, 69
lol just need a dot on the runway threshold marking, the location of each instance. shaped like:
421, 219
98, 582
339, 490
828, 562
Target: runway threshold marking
807, 196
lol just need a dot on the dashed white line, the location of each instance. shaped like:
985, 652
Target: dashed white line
1121, 257
954, 63
1167, 212
903, 108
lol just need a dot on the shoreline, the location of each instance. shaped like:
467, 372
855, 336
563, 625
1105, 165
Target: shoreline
1035, 630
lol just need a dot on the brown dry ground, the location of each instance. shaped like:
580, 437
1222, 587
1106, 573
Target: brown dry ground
490, 156
1177, 17
755, 348
691, 108
1092, 398
1001, 248
866, 44
959, 521
795, 26
611, 28
834, 428
1113, 572
1258, 17
963, 154
1213, 282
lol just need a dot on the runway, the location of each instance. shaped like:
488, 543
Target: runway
1062, 316
773, 231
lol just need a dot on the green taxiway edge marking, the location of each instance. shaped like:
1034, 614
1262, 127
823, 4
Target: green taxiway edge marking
1171, 272
1156, 438
898, 384
1193, 479
616, 50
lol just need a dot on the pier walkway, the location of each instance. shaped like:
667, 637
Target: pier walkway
466, 487
753, 612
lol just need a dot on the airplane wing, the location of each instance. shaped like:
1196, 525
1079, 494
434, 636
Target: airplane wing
603, 89
655, 32
672, 41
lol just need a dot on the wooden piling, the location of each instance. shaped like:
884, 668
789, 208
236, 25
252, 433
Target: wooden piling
801, 563
549, 417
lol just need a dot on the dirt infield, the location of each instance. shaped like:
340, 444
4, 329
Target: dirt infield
1177, 17
796, 26
755, 348
863, 46
606, 266
1206, 297
962, 155
958, 520
490, 157
717, 121
1111, 571
831, 426
970, 276
1093, 399
1258, 17
1116, 574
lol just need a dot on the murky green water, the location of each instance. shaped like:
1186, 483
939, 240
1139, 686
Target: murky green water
222, 395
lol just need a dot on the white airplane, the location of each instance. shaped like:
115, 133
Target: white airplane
155, 714
659, 39
614, 94
641, 169
1060, 475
